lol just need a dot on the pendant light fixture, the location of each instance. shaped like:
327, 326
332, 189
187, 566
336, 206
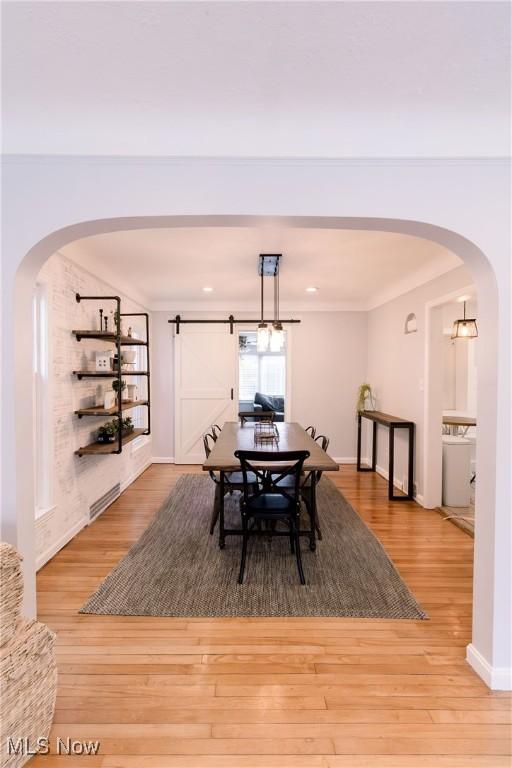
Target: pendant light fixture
263, 333
465, 328
270, 337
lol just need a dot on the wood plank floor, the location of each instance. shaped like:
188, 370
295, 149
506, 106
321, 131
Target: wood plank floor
272, 693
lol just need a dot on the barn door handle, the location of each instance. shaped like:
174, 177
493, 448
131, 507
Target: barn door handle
232, 393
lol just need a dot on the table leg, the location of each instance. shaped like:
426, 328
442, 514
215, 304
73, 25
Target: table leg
391, 466
410, 468
312, 535
374, 447
222, 538
358, 442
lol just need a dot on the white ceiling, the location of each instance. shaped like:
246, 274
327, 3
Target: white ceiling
335, 79
168, 268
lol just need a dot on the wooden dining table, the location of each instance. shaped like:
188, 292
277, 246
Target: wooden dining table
292, 437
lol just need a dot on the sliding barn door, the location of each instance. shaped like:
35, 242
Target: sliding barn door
205, 386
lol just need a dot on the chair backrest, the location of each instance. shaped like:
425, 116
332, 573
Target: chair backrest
323, 440
324, 444
215, 431
312, 431
208, 441
270, 468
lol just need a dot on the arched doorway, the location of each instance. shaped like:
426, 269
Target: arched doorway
34, 259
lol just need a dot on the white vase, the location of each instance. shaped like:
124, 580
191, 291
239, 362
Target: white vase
132, 392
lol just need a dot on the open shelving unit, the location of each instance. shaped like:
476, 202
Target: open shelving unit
117, 373
98, 449
98, 410
107, 374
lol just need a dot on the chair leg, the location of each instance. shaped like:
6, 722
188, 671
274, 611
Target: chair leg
245, 538
292, 541
215, 513
317, 526
297, 553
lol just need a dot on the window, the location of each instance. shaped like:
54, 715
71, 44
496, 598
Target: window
42, 429
139, 415
263, 372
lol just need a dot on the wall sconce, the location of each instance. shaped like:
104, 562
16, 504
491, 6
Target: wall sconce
411, 325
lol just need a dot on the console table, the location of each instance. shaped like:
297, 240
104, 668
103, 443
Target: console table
392, 423
256, 415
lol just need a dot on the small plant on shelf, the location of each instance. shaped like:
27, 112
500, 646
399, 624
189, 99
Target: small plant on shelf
365, 398
107, 432
119, 390
127, 426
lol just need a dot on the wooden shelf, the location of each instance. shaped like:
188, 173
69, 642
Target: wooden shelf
105, 448
126, 341
113, 337
98, 410
108, 374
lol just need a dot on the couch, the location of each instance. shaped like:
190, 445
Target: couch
270, 403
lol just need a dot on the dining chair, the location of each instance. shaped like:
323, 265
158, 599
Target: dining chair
271, 502
306, 488
311, 430
233, 481
215, 431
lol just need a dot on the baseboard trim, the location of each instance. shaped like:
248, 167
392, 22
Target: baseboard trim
66, 538
497, 678
345, 459
163, 460
396, 482
126, 483
56, 546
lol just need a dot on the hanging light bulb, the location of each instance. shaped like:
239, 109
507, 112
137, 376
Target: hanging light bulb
263, 332
276, 337
277, 333
465, 328
263, 336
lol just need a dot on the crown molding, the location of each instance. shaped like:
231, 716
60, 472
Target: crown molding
252, 308
111, 280
28, 158
409, 283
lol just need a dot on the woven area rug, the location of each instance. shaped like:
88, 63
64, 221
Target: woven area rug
177, 569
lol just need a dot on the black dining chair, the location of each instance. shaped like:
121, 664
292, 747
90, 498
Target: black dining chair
215, 431
311, 431
306, 488
233, 481
271, 502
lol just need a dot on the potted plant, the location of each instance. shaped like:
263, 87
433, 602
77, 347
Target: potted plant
107, 433
116, 315
365, 398
127, 426
119, 387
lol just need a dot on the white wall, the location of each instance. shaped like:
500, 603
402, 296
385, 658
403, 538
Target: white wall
162, 386
459, 374
328, 365
328, 362
396, 365
78, 482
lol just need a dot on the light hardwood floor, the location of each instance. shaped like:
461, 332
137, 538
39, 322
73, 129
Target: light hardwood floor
274, 693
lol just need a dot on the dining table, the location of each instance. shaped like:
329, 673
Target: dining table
291, 437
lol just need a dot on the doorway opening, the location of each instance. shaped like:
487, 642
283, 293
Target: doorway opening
451, 409
459, 417
263, 378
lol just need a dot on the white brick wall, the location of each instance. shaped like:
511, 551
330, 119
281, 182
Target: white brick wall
78, 482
